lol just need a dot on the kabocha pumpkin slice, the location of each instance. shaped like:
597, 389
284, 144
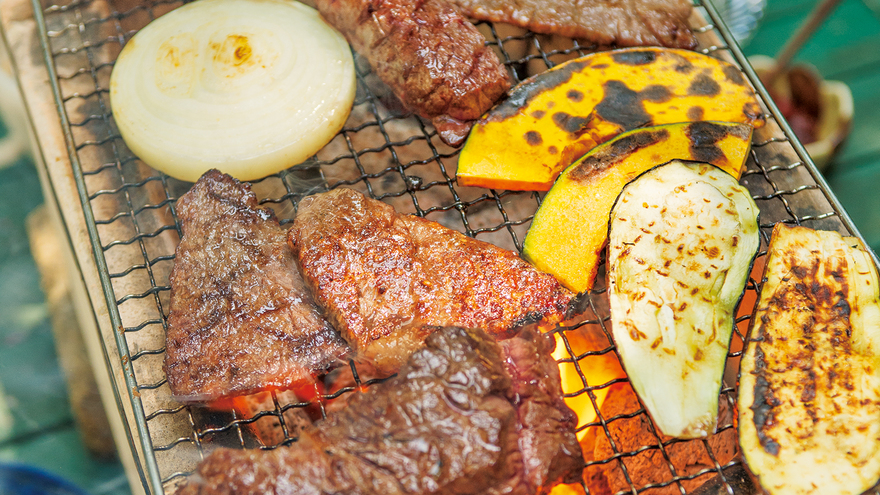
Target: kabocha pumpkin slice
553, 118
571, 226
681, 242
809, 393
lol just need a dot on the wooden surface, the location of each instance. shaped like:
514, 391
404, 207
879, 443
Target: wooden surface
52, 257
60, 193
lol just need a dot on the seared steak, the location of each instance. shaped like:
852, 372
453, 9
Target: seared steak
386, 279
434, 60
241, 319
465, 415
604, 22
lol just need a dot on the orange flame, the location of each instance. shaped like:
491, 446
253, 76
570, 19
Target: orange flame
567, 490
597, 370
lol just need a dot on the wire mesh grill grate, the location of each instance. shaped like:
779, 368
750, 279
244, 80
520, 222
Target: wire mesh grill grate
393, 156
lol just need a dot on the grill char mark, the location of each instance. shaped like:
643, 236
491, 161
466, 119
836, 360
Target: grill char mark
786, 364
616, 152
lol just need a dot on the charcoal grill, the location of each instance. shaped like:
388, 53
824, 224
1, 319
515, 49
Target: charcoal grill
383, 151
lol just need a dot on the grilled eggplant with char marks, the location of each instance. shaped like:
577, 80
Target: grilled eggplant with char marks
681, 242
809, 393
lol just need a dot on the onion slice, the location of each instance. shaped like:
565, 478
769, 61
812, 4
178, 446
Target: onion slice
249, 87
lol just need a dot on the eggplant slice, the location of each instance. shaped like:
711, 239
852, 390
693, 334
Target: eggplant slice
809, 393
681, 241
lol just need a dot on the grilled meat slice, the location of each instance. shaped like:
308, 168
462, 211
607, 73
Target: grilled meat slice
385, 279
465, 415
604, 22
241, 319
434, 60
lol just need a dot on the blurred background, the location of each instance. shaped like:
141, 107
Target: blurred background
37, 409
845, 48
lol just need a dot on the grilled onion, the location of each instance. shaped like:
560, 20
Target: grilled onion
249, 87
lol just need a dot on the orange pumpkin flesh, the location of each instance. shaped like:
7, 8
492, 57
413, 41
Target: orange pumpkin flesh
553, 118
571, 226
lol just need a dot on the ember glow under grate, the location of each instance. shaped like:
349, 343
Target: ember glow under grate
398, 158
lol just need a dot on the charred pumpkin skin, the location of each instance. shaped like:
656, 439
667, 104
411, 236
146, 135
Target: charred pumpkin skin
571, 226
681, 242
553, 118
809, 392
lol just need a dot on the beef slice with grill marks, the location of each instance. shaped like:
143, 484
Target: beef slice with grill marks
465, 415
427, 52
603, 22
386, 280
241, 319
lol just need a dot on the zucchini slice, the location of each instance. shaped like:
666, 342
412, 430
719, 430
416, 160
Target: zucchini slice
682, 238
809, 392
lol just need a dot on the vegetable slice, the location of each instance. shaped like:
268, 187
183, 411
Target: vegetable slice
553, 118
681, 241
809, 393
249, 87
571, 226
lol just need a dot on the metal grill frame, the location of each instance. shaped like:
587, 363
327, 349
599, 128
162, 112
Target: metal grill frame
772, 179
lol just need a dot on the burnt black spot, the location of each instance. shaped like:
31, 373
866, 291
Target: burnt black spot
574, 95
616, 151
600, 66
636, 57
703, 85
703, 137
637, 140
742, 131
553, 150
842, 307
533, 86
821, 292
695, 114
533, 138
622, 106
733, 75
762, 408
808, 394
752, 110
682, 65
656, 93
571, 123
539, 114
528, 319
